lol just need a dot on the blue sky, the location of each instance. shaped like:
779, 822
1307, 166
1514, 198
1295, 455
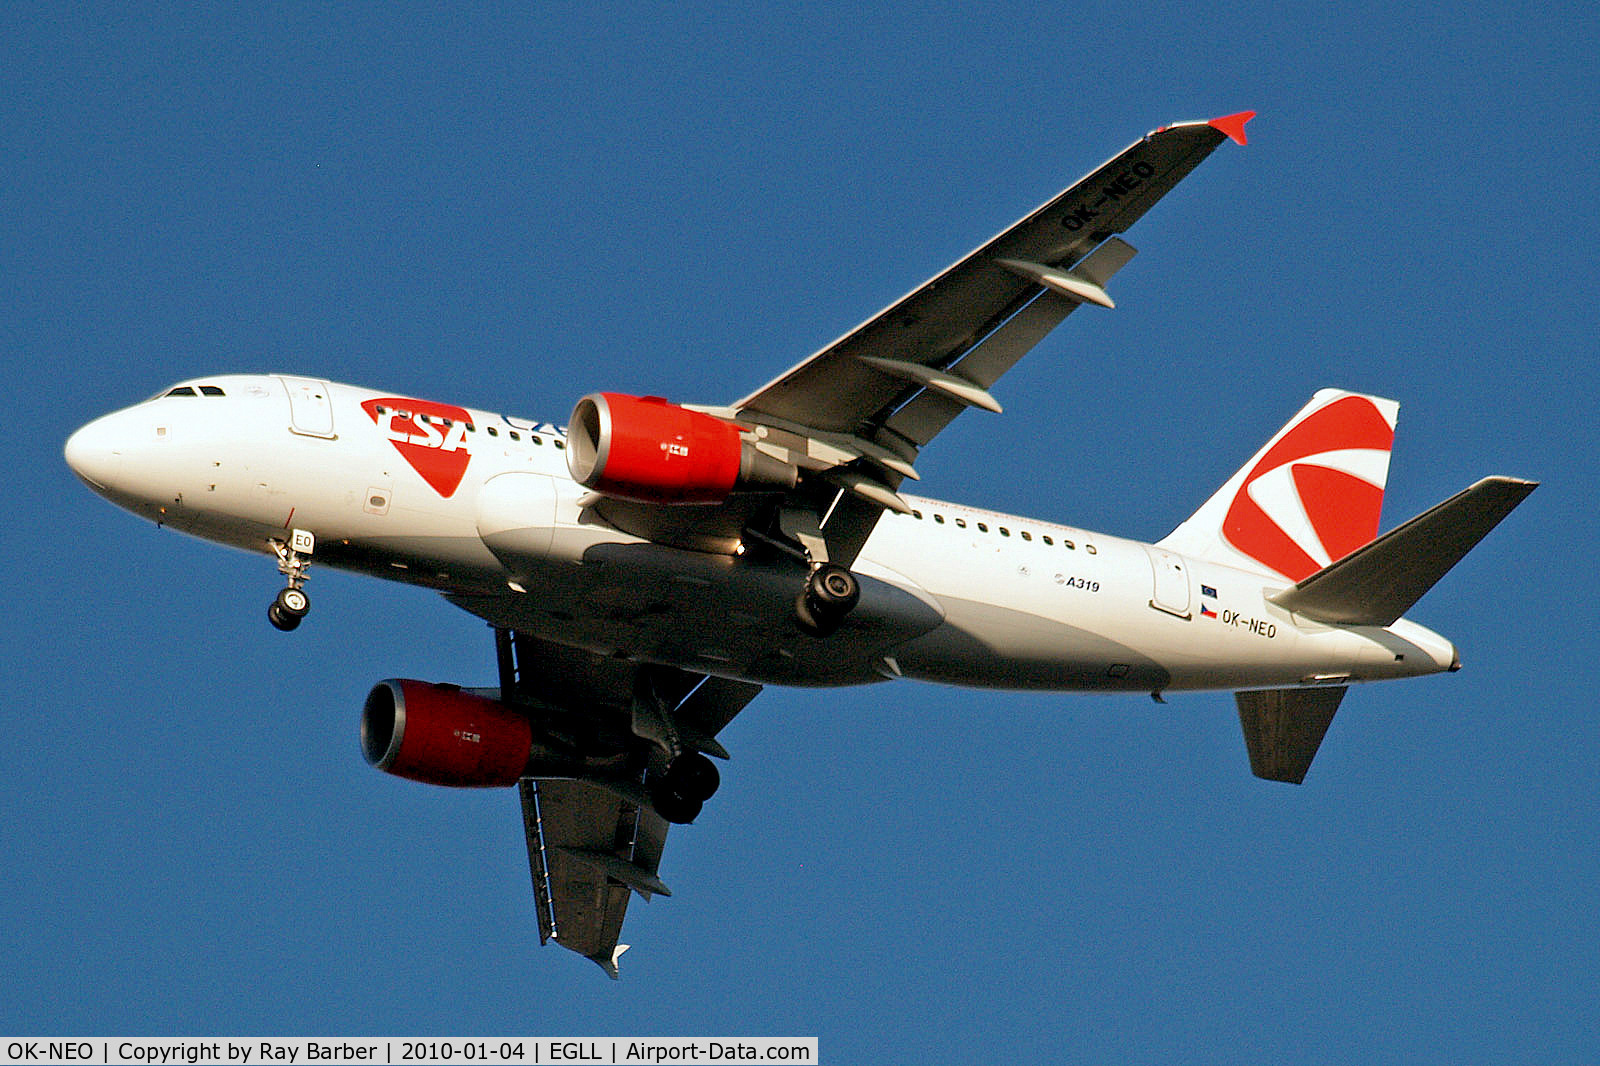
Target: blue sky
510, 209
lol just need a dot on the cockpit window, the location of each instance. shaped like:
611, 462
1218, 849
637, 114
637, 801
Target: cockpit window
182, 390
211, 390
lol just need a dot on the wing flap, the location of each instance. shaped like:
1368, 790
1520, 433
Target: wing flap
1376, 584
927, 413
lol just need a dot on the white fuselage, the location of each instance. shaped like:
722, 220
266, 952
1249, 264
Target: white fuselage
482, 508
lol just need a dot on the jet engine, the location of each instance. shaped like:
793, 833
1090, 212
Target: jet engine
652, 451
441, 735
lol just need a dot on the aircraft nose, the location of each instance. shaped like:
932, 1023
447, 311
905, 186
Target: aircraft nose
94, 453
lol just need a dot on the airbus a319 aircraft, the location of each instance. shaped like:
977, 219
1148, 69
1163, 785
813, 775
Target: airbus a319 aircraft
648, 568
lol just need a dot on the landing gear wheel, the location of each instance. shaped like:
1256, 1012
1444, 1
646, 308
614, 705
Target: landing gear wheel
282, 619
675, 808
830, 593
693, 775
293, 602
832, 590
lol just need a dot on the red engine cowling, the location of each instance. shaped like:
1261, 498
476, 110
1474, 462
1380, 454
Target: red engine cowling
443, 736
646, 449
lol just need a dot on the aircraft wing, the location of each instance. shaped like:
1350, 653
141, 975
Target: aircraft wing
854, 416
894, 381
588, 848
593, 842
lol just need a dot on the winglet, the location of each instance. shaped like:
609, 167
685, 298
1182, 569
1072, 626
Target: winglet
609, 965
1233, 125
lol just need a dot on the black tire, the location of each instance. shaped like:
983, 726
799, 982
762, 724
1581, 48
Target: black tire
679, 810
282, 619
293, 602
694, 776
832, 590
830, 593
807, 620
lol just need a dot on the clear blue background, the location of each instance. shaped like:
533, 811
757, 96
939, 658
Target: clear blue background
511, 208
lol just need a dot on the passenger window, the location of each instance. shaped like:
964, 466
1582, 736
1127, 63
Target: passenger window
916, 514
1026, 535
1090, 549
514, 435
982, 528
1047, 540
560, 443
1069, 545
537, 439
493, 432
1004, 532
939, 518
961, 523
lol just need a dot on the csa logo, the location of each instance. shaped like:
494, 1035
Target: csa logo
432, 437
1315, 495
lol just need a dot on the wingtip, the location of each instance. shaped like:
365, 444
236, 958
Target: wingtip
609, 964
1233, 125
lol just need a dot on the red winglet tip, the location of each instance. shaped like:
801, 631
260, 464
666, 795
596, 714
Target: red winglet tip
1233, 125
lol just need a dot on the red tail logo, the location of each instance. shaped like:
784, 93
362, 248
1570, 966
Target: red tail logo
1314, 497
432, 437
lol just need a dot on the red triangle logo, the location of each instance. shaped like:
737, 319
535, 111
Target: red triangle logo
1343, 510
430, 436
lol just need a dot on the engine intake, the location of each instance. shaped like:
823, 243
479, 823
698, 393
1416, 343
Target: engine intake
646, 449
444, 736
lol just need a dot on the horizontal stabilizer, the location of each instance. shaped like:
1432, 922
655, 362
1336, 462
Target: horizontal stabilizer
1283, 727
1375, 585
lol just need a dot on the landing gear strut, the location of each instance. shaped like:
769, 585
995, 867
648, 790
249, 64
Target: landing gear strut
292, 602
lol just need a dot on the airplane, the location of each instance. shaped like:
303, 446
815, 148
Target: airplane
650, 566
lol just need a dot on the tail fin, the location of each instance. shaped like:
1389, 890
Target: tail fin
1309, 497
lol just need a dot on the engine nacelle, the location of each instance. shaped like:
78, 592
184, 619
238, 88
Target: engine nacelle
444, 736
646, 449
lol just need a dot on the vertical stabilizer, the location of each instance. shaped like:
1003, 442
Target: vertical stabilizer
1311, 496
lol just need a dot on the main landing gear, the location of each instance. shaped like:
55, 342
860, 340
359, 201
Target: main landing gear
690, 780
682, 778
292, 603
830, 593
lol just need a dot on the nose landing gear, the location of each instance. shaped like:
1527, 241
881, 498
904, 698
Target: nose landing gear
289, 608
292, 603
